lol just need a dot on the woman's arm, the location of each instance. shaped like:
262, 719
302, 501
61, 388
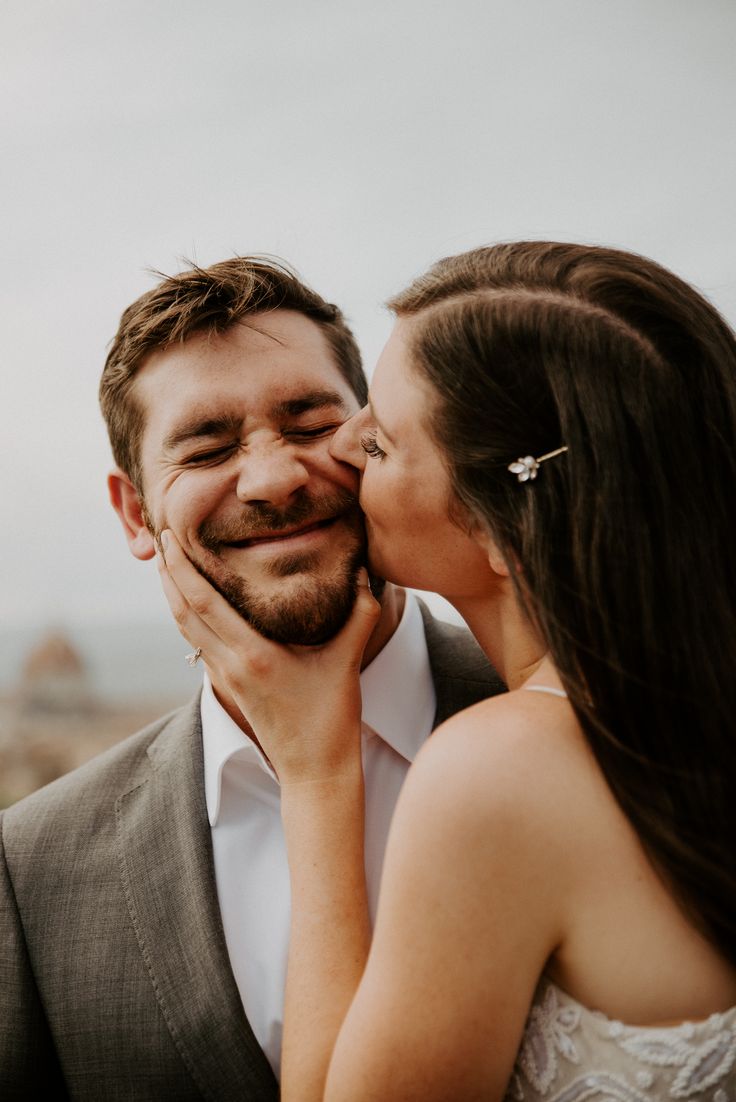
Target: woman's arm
312, 736
469, 913
330, 926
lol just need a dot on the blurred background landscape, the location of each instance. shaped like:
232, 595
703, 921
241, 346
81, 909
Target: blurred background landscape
66, 695
358, 141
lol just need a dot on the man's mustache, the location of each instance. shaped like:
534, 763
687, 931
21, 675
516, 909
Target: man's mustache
259, 518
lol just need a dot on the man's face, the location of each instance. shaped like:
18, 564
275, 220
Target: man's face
235, 462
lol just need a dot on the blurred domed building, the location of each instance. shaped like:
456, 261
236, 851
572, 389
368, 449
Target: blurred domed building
54, 719
54, 678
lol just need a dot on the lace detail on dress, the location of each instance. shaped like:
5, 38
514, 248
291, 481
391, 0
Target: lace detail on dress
571, 1054
547, 1033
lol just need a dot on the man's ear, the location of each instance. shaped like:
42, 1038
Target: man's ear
127, 504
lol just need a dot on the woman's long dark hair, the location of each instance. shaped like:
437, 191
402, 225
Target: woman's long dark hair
624, 542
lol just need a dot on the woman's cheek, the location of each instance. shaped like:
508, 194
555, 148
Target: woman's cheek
371, 496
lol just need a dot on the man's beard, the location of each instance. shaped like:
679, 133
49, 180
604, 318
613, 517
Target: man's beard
308, 614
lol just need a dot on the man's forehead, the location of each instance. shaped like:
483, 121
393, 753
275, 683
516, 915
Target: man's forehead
228, 373
257, 337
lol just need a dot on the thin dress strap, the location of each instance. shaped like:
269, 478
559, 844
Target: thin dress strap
545, 689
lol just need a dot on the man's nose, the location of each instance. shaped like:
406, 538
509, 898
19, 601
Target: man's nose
270, 472
345, 444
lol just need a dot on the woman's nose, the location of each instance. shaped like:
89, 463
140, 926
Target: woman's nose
345, 444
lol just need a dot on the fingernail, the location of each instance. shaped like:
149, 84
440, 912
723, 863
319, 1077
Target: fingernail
165, 540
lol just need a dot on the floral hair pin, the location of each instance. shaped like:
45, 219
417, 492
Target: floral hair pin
525, 468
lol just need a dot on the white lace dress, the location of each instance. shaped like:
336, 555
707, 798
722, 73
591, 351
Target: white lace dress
571, 1054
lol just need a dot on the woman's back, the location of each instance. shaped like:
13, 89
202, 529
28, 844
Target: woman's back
626, 947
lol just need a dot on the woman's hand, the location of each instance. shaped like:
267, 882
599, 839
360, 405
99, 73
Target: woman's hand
303, 703
304, 706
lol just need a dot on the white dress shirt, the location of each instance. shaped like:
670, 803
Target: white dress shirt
243, 803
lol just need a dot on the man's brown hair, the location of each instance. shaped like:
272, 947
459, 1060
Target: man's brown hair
207, 300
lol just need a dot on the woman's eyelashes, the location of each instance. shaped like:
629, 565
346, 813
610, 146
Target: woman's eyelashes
370, 446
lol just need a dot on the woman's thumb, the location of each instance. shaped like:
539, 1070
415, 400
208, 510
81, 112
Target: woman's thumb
365, 614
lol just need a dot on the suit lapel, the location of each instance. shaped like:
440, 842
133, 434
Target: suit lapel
461, 672
165, 854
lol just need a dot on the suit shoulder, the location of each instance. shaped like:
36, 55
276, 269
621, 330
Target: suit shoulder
81, 794
461, 673
454, 653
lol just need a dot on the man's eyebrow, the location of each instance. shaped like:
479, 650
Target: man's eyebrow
314, 399
383, 431
199, 426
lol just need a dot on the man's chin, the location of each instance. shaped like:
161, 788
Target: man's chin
298, 610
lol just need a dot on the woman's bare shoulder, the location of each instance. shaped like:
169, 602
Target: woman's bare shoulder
513, 779
521, 748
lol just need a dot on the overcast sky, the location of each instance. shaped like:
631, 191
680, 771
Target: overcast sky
360, 141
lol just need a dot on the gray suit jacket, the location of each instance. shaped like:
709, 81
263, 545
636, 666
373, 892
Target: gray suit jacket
114, 975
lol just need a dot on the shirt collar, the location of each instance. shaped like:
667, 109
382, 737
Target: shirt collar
402, 719
399, 700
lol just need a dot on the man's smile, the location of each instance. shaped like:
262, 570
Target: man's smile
309, 520
285, 535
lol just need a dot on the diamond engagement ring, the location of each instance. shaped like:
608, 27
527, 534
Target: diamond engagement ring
193, 658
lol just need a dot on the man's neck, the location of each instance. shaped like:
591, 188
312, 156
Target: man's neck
392, 607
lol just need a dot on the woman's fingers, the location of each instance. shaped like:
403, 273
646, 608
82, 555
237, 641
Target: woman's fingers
195, 603
190, 626
233, 651
303, 731
201, 600
363, 619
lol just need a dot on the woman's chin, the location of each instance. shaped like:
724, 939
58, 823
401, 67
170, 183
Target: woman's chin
396, 573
